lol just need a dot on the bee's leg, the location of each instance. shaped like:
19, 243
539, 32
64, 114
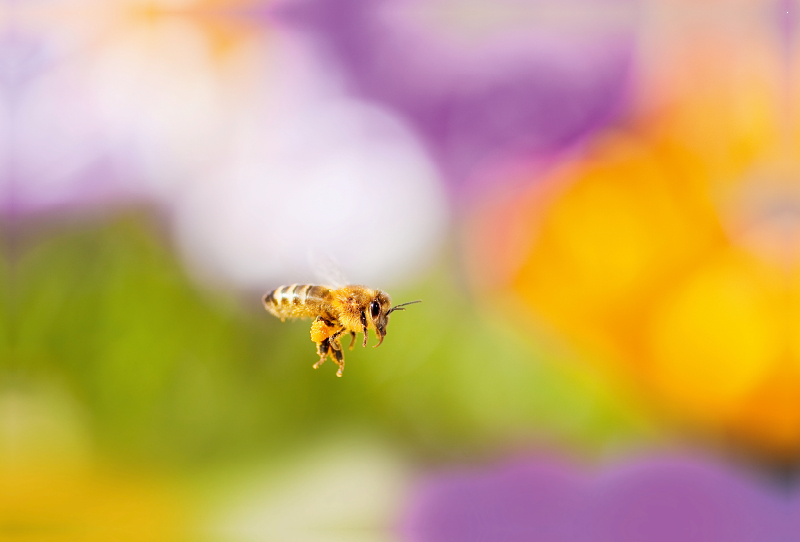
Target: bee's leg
336, 350
339, 359
320, 334
323, 348
364, 327
353, 339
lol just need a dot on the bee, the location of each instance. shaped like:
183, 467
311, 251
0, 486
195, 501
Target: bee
336, 311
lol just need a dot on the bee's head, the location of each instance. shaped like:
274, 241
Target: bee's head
379, 310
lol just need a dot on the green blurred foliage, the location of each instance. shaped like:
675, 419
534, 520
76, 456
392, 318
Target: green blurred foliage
170, 372
5, 300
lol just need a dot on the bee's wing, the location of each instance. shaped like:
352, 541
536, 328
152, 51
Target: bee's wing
326, 269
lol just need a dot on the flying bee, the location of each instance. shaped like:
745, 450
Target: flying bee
336, 311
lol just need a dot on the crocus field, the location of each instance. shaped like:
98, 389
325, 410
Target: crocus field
597, 201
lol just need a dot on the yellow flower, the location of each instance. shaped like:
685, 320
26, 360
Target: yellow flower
64, 503
671, 257
52, 490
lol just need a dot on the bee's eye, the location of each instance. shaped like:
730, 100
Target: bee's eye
375, 308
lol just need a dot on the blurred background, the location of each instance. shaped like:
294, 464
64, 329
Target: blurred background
598, 202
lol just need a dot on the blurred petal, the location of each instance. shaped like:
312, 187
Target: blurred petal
665, 255
521, 502
351, 492
657, 500
319, 173
49, 491
484, 83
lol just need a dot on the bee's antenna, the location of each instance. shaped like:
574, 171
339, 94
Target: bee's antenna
401, 306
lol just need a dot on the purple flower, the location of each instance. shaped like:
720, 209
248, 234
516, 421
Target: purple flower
657, 500
486, 84
252, 150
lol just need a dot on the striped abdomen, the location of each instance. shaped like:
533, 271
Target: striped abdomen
298, 301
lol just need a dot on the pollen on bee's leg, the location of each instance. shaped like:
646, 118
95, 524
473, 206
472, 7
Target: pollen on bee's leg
320, 330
